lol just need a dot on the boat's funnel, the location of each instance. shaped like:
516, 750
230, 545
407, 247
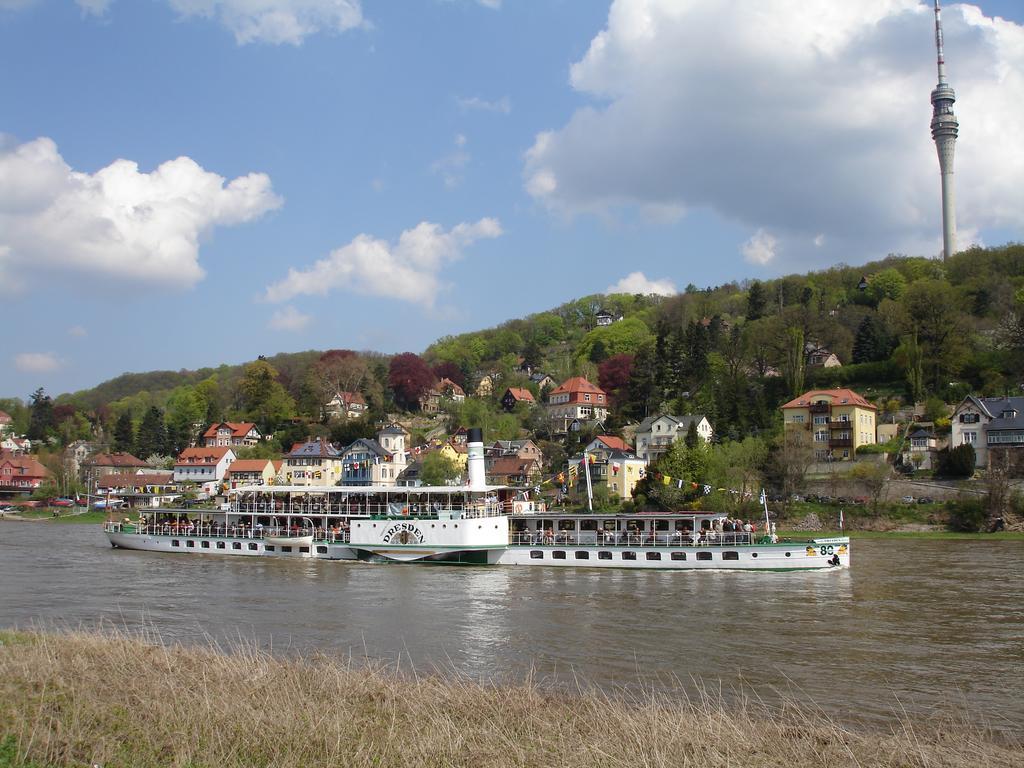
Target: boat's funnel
475, 452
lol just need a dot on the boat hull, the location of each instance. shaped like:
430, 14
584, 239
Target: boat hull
819, 554
220, 545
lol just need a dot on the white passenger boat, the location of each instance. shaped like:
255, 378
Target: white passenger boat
478, 524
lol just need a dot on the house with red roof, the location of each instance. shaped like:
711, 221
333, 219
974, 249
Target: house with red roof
252, 472
230, 433
839, 421
202, 465
604, 445
6, 423
346, 405
515, 395
574, 401
21, 474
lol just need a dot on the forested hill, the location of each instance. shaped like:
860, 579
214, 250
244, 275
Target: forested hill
903, 327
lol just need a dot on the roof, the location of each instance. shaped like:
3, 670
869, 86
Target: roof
249, 465
996, 406
199, 455
575, 384
836, 396
627, 455
538, 377
351, 397
123, 480
114, 460
446, 383
519, 393
5, 418
683, 422
318, 448
370, 445
615, 443
394, 429
512, 465
922, 433
238, 428
31, 466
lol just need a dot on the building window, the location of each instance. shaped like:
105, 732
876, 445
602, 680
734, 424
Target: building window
821, 419
970, 438
797, 419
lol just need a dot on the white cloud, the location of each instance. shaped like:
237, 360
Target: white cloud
407, 270
36, 362
638, 282
265, 21
760, 249
802, 118
77, 331
94, 7
451, 167
502, 105
288, 319
117, 223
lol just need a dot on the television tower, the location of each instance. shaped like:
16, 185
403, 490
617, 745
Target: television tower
944, 131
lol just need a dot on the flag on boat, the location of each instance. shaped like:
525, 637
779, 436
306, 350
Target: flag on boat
763, 498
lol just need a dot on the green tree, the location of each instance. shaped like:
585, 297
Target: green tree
692, 438
873, 476
623, 337
439, 470
262, 398
40, 425
910, 356
794, 360
757, 301
124, 433
873, 340
887, 284
185, 409
958, 462
151, 438
931, 307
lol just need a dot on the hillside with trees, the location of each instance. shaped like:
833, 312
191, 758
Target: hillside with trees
905, 330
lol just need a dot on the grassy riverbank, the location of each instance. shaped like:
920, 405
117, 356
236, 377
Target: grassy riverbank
82, 699
937, 535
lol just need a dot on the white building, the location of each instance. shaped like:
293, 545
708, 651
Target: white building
656, 434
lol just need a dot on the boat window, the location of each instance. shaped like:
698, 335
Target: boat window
678, 555
588, 525
190, 543
582, 555
566, 525
654, 555
604, 555
286, 549
252, 545
730, 555
558, 555
661, 525
703, 555
205, 544
220, 545
320, 550
175, 543
629, 555
269, 547
788, 554
536, 554
609, 525
753, 554
304, 549
236, 545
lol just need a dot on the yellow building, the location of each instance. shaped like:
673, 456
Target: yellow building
838, 421
457, 454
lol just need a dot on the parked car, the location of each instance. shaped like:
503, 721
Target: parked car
8, 510
62, 502
926, 500
907, 499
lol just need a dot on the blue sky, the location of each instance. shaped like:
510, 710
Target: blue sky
375, 175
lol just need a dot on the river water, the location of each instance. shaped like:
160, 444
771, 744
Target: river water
916, 625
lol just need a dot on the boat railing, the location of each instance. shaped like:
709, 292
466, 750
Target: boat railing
471, 510
622, 539
213, 531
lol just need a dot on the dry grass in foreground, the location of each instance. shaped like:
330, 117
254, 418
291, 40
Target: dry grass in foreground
89, 699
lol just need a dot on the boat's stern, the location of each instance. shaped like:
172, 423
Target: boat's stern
834, 550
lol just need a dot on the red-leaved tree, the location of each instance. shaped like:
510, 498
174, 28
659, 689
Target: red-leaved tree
409, 377
613, 376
